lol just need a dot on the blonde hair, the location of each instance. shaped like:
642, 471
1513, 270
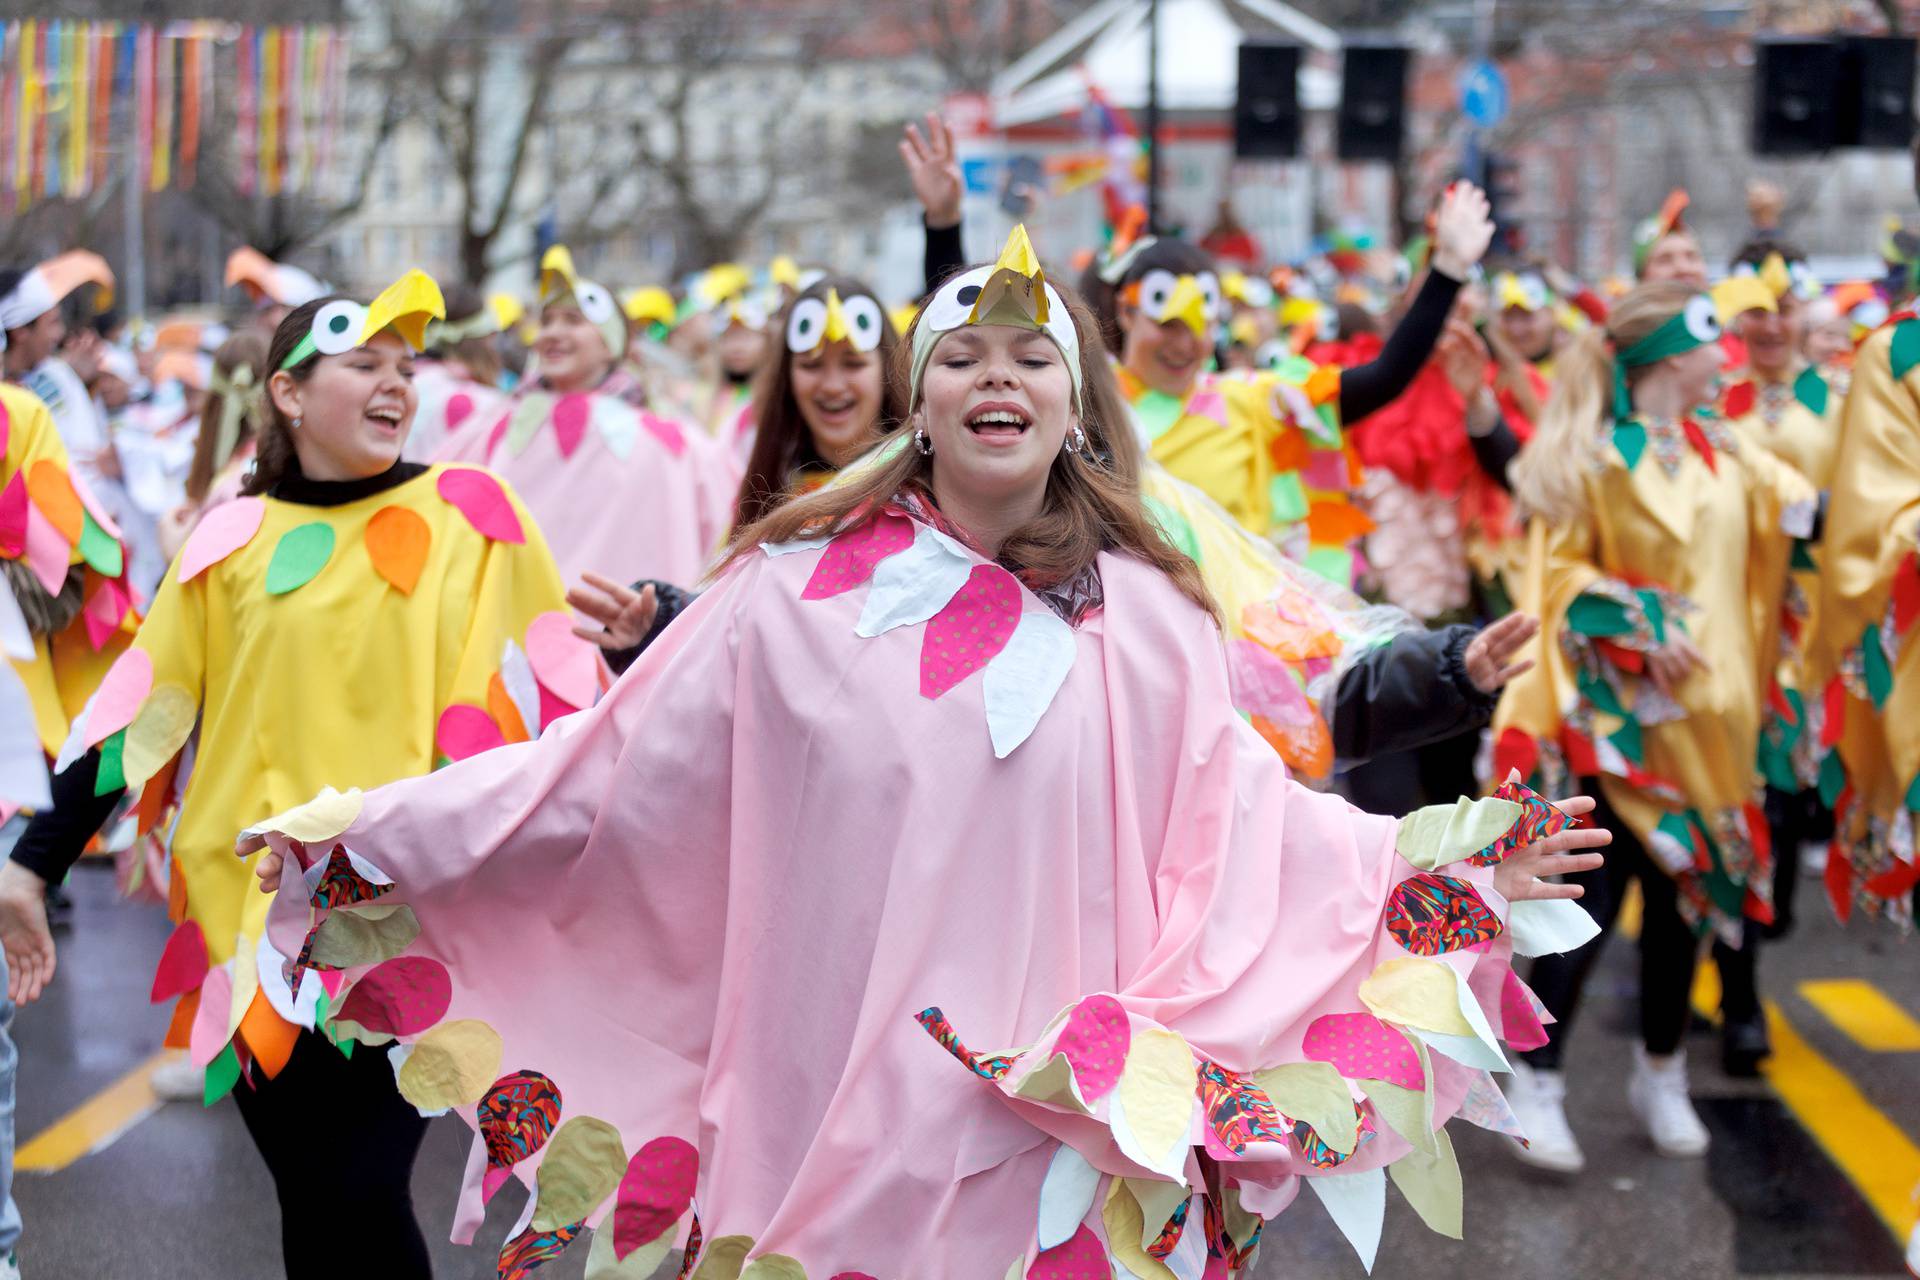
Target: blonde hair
1092, 504
1549, 476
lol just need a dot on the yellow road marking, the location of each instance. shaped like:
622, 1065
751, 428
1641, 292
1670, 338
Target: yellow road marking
1877, 1158
95, 1123
1867, 1017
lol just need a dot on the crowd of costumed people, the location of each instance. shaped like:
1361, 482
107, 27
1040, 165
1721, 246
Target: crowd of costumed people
1017, 781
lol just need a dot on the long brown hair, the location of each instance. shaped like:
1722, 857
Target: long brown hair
1092, 500
782, 444
274, 456
1549, 476
244, 350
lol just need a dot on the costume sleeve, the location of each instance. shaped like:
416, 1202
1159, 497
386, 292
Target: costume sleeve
1496, 450
671, 602
57, 835
945, 253
1367, 387
1408, 692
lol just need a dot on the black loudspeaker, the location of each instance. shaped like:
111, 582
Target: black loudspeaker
1795, 86
1373, 102
1266, 106
1874, 98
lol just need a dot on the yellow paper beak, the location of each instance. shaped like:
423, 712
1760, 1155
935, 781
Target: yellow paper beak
507, 309
406, 306
727, 280
651, 304
1188, 304
1736, 294
836, 328
1774, 274
557, 275
903, 317
70, 270
784, 271
1299, 311
1016, 275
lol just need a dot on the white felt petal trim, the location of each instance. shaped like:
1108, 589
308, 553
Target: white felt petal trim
1357, 1203
15, 640
23, 769
298, 1009
1543, 926
911, 586
1170, 1164
1065, 1196
76, 744
523, 689
617, 423
798, 544
366, 869
1022, 679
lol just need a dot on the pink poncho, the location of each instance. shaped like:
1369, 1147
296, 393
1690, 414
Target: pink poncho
616, 489
699, 962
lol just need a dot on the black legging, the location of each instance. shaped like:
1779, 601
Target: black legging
1668, 946
339, 1141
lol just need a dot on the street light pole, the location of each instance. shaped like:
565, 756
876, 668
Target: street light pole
1153, 116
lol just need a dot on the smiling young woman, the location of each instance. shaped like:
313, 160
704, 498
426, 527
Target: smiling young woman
350, 618
967, 719
620, 489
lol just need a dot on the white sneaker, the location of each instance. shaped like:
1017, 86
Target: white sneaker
1657, 1091
176, 1080
1539, 1102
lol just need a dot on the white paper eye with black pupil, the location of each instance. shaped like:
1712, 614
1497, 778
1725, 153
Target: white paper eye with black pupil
863, 322
952, 303
806, 324
596, 304
1156, 291
1700, 319
337, 326
1804, 281
1272, 353
1210, 290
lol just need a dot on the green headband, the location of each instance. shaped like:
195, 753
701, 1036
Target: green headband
1694, 325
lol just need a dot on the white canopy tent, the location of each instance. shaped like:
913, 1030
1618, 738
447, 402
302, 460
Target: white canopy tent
1199, 41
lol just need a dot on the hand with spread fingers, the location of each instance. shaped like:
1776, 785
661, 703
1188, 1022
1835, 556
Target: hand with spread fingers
1462, 230
1490, 659
934, 172
625, 615
1522, 877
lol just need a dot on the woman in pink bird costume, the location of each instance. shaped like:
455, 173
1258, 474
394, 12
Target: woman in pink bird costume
919, 906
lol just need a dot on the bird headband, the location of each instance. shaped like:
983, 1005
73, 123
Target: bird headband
1694, 325
1670, 219
47, 285
1526, 291
814, 322
1013, 291
559, 282
1163, 296
406, 307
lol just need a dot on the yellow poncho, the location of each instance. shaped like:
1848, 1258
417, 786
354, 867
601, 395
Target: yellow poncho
1867, 676
1683, 528
1269, 449
319, 646
47, 524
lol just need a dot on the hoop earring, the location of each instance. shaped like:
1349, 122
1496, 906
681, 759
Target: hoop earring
921, 443
1076, 441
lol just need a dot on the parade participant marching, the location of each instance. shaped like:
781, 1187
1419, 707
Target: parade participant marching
619, 491
1269, 448
1656, 559
969, 709
1665, 248
458, 380
1861, 665
352, 618
1781, 403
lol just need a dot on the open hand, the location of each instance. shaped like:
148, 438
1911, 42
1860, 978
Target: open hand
1462, 230
1520, 877
24, 934
1490, 658
934, 172
625, 615
1462, 356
